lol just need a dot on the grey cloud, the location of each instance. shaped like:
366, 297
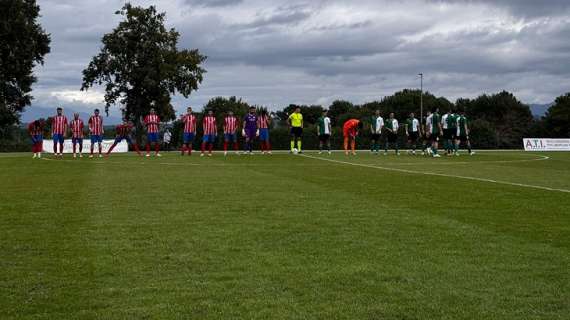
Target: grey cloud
213, 3
525, 8
309, 51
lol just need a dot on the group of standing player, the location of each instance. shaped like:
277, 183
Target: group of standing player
60, 127
451, 128
253, 126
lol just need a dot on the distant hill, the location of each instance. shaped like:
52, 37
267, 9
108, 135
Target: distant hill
539, 110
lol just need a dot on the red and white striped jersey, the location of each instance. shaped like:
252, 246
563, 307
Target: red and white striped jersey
76, 128
96, 125
263, 122
59, 124
230, 124
33, 130
209, 125
189, 121
152, 121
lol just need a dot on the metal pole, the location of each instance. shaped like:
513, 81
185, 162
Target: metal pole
421, 96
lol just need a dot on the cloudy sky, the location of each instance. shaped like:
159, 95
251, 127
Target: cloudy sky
276, 52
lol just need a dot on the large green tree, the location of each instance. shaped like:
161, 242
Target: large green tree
23, 44
141, 66
558, 117
510, 119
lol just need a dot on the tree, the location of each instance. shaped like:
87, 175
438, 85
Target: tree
557, 117
510, 119
141, 66
23, 45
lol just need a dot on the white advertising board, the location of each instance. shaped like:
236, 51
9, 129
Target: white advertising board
538, 144
68, 146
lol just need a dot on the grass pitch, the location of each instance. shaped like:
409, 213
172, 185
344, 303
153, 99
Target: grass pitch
286, 237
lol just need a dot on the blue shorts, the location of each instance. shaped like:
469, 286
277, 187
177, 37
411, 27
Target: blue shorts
209, 138
77, 140
57, 137
152, 137
127, 138
264, 134
96, 138
230, 137
36, 138
188, 137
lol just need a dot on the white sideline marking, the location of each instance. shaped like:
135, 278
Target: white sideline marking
542, 158
439, 174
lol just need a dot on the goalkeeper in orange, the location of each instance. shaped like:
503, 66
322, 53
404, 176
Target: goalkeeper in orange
350, 131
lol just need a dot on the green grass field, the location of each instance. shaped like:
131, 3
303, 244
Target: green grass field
286, 237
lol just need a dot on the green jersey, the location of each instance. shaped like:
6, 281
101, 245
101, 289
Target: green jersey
461, 124
392, 124
324, 125
452, 121
412, 125
435, 121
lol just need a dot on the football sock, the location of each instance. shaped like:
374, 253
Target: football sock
292, 145
299, 143
225, 146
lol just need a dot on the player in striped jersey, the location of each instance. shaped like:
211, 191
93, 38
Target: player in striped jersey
324, 131
189, 133
434, 131
250, 130
36, 131
392, 128
462, 133
152, 123
76, 125
210, 132
124, 131
96, 131
58, 130
231, 124
412, 128
263, 123
376, 126
448, 131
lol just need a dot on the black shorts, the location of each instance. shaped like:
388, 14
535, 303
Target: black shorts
434, 137
375, 136
324, 137
392, 137
413, 136
463, 138
448, 133
296, 132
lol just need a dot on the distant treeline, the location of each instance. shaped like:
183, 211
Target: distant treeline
496, 121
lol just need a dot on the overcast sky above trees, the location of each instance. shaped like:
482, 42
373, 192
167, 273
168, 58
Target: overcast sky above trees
276, 52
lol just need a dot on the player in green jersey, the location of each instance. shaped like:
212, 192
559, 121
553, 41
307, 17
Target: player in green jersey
426, 127
462, 133
324, 131
446, 121
434, 131
392, 127
376, 126
412, 128
452, 124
